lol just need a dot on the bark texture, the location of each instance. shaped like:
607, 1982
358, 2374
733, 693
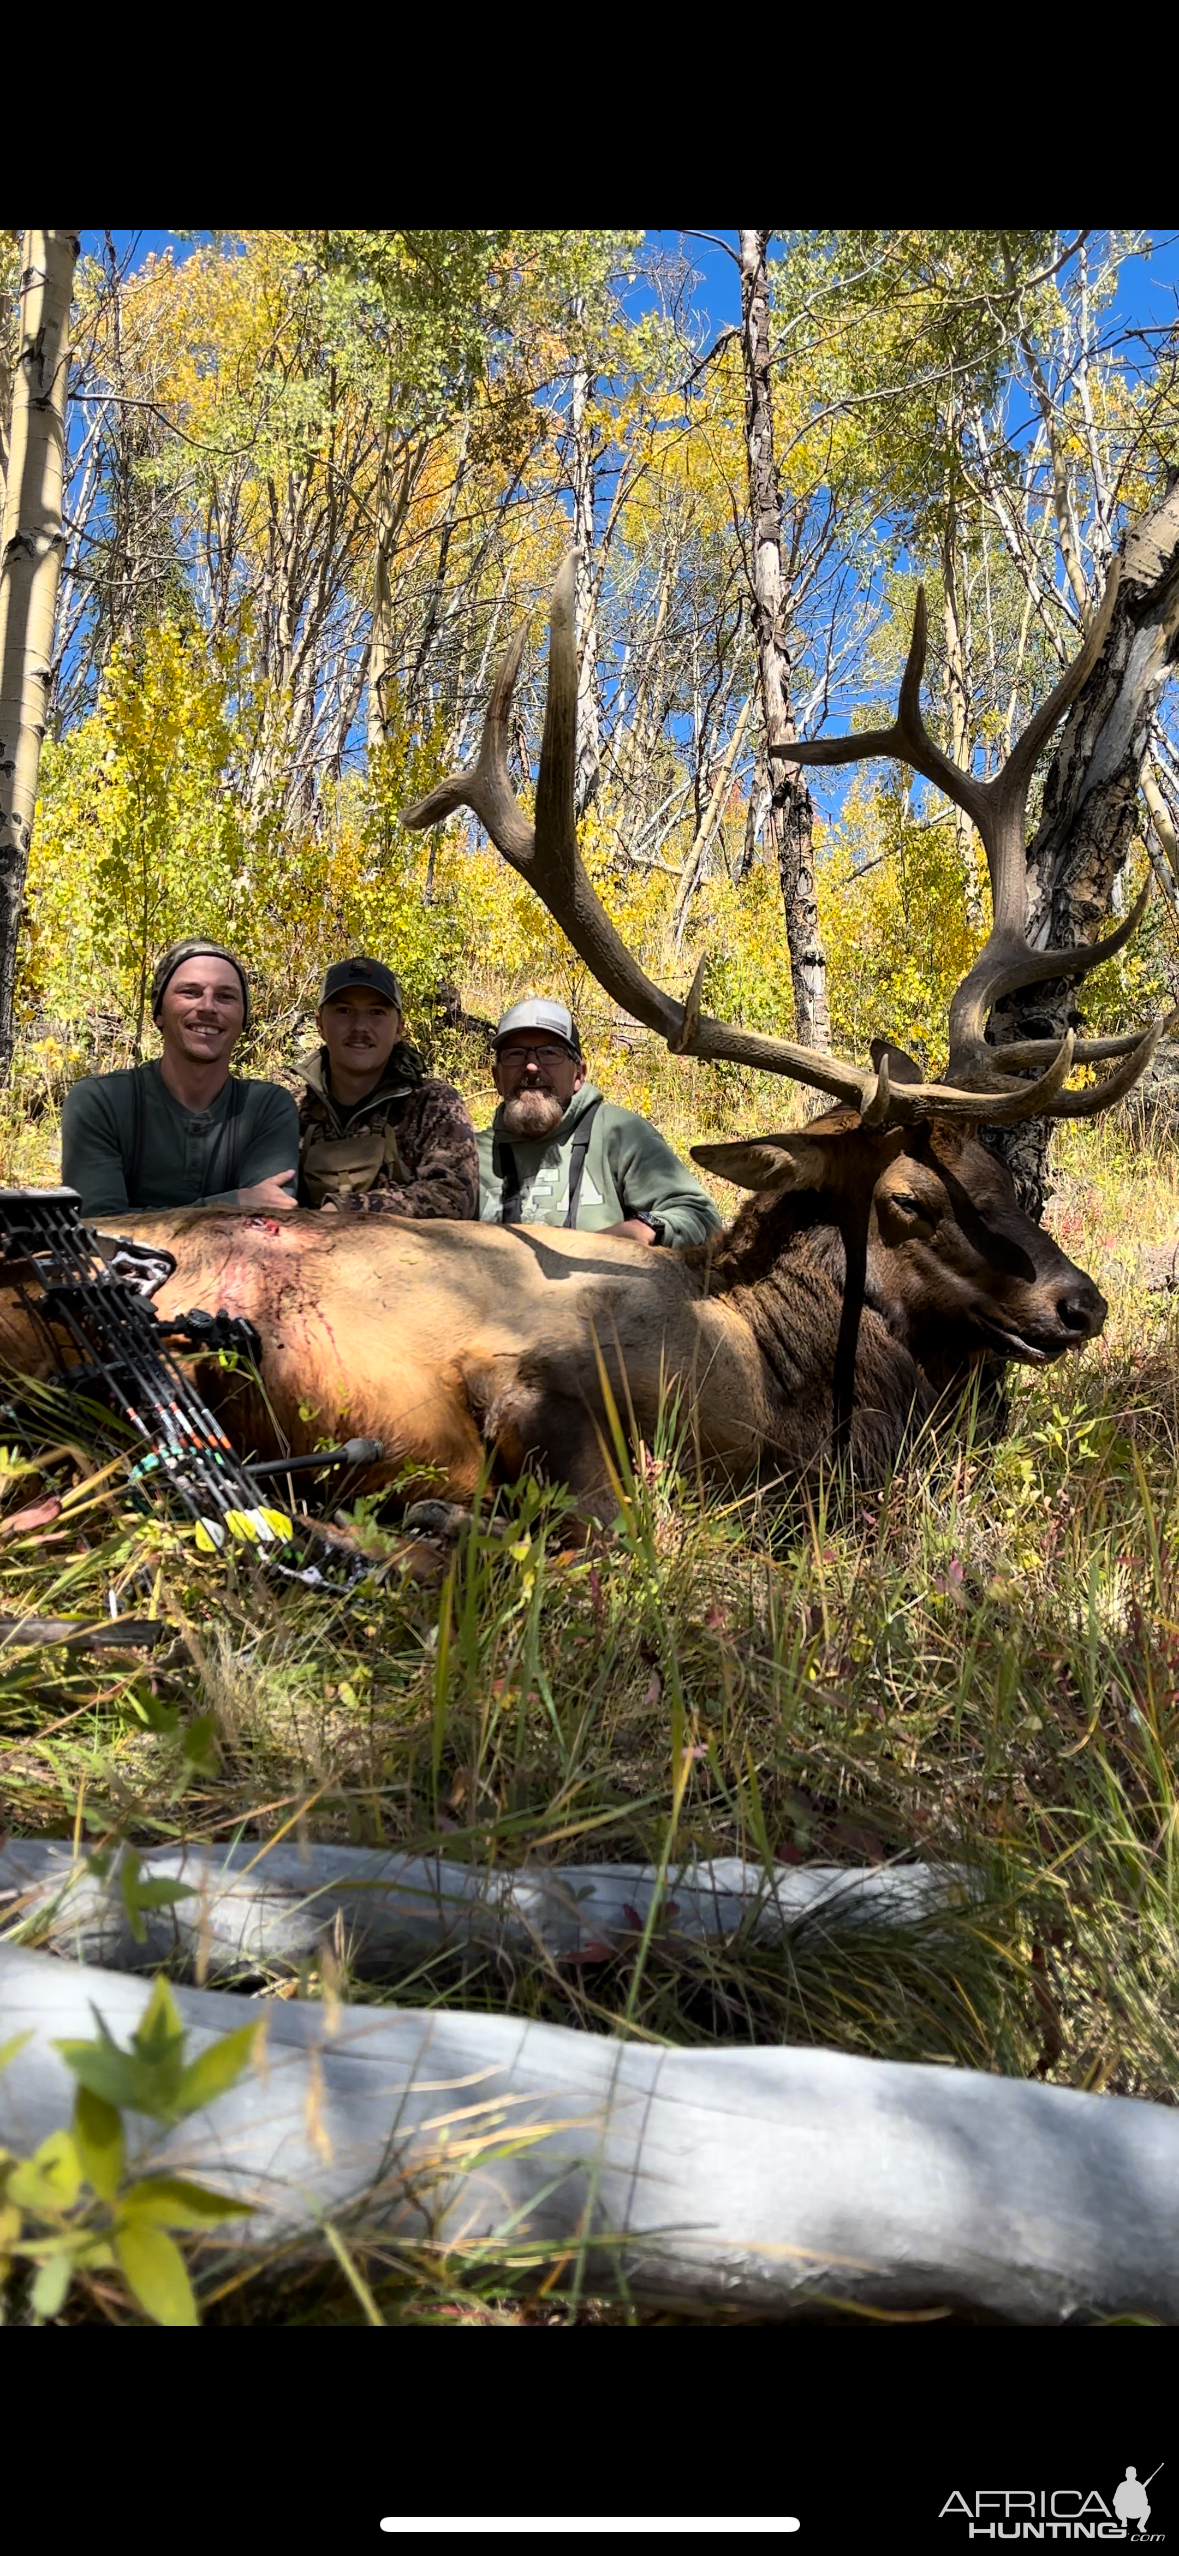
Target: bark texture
245, 1915
589, 743
773, 2180
1090, 807
30, 570
790, 823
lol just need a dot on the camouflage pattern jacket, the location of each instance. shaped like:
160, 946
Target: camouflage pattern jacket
408, 1150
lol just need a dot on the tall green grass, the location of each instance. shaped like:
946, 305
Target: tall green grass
979, 1666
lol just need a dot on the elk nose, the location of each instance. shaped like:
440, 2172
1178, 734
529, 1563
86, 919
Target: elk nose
1081, 1307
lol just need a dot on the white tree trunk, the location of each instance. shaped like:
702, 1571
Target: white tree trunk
768, 2180
791, 812
712, 817
242, 1913
589, 744
30, 569
959, 703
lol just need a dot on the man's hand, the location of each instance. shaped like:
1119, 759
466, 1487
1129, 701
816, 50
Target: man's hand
269, 1194
634, 1229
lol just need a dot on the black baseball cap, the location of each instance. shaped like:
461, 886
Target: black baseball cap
361, 971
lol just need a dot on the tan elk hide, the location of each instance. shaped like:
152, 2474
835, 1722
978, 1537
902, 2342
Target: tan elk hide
882, 1253
446, 1341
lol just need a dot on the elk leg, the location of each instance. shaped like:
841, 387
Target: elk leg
534, 1428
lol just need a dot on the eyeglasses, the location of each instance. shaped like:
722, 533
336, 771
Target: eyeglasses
544, 1056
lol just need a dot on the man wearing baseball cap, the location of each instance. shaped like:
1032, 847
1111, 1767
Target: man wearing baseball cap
377, 1134
182, 1131
558, 1153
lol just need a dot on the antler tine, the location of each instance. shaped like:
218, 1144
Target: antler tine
689, 1029
900, 1104
1016, 775
1100, 1095
484, 786
997, 971
998, 809
547, 857
906, 741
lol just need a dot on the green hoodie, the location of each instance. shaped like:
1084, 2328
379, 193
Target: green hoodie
630, 1170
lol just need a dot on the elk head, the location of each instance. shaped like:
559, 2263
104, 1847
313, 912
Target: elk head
950, 1260
977, 1262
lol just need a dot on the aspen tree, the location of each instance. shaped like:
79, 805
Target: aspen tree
791, 815
30, 569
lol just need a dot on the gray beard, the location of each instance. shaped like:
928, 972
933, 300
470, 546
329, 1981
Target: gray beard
532, 1114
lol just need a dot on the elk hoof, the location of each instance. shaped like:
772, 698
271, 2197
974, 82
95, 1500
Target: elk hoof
441, 1520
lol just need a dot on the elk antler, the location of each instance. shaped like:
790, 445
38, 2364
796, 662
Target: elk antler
546, 855
998, 810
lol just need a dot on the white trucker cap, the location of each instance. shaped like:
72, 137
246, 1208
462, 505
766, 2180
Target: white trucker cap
538, 1014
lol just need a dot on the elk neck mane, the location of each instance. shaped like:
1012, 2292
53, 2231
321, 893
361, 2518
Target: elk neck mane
781, 1266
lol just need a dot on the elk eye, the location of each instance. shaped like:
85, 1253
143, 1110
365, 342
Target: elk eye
910, 1206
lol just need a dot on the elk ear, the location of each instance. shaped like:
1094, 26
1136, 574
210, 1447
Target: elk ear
902, 1068
767, 1162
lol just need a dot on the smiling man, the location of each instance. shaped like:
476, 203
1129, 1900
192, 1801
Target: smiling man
377, 1134
558, 1153
183, 1131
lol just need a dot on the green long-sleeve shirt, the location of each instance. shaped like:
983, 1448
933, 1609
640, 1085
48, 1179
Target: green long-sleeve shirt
183, 1153
630, 1170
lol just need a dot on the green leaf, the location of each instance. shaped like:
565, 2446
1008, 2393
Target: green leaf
199, 1740
138, 1894
50, 2287
98, 2138
110, 2073
163, 1893
50, 2180
129, 1893
170, 2201
163, 1719
143, 2078
216, 2070
155, 2273
9, 2048
159, 2034
95, 2253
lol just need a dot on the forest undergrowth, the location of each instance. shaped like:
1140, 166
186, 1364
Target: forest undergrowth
980, 1666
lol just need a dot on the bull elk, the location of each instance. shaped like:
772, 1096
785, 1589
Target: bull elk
882, 1253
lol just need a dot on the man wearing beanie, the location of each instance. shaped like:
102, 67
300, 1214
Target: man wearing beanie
183, 1131
378, 1135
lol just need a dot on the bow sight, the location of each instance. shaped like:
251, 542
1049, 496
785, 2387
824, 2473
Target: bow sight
88, 1297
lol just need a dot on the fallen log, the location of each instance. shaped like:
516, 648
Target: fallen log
772, 2181
245, 1910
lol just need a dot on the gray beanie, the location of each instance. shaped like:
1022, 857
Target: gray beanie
176, 957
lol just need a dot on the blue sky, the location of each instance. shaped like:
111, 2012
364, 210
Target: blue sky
1146, 294
1148, 291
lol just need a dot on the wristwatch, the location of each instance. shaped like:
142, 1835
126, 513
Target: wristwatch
656, 1224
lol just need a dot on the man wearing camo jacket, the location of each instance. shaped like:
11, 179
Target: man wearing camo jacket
377, 1134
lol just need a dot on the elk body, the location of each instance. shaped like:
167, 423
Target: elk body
452, 1342
882, 1253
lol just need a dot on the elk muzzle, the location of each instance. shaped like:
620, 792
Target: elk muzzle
1061, 1313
